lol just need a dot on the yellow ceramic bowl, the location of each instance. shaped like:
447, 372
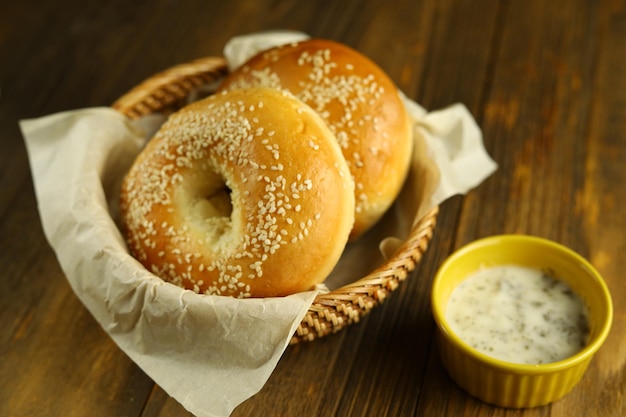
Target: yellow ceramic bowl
509, 384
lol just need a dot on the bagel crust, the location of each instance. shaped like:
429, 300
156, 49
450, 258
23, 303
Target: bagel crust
360, 104
244, 194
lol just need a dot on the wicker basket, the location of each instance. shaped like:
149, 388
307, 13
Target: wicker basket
332, 311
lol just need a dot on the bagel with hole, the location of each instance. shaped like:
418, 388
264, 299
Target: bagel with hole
360, 104
245, 193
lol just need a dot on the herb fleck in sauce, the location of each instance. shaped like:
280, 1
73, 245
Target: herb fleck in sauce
518, 314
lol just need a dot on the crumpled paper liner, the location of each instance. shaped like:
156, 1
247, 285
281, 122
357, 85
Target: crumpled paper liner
210, 353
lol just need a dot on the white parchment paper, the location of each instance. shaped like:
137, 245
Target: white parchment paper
209, 353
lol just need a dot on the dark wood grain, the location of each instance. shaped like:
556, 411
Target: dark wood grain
546, 81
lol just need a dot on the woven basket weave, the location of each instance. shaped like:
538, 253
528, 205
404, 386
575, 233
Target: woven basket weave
332, 311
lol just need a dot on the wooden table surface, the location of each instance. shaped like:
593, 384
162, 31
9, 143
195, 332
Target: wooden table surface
545, 80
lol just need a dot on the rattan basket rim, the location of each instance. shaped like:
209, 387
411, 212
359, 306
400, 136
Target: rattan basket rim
330, 312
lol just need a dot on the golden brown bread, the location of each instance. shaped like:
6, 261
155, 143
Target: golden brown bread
245, 194
361, 105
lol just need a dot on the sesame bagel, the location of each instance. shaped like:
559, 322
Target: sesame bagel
243, 194
360, 104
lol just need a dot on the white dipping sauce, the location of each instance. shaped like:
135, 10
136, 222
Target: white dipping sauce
519, 315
